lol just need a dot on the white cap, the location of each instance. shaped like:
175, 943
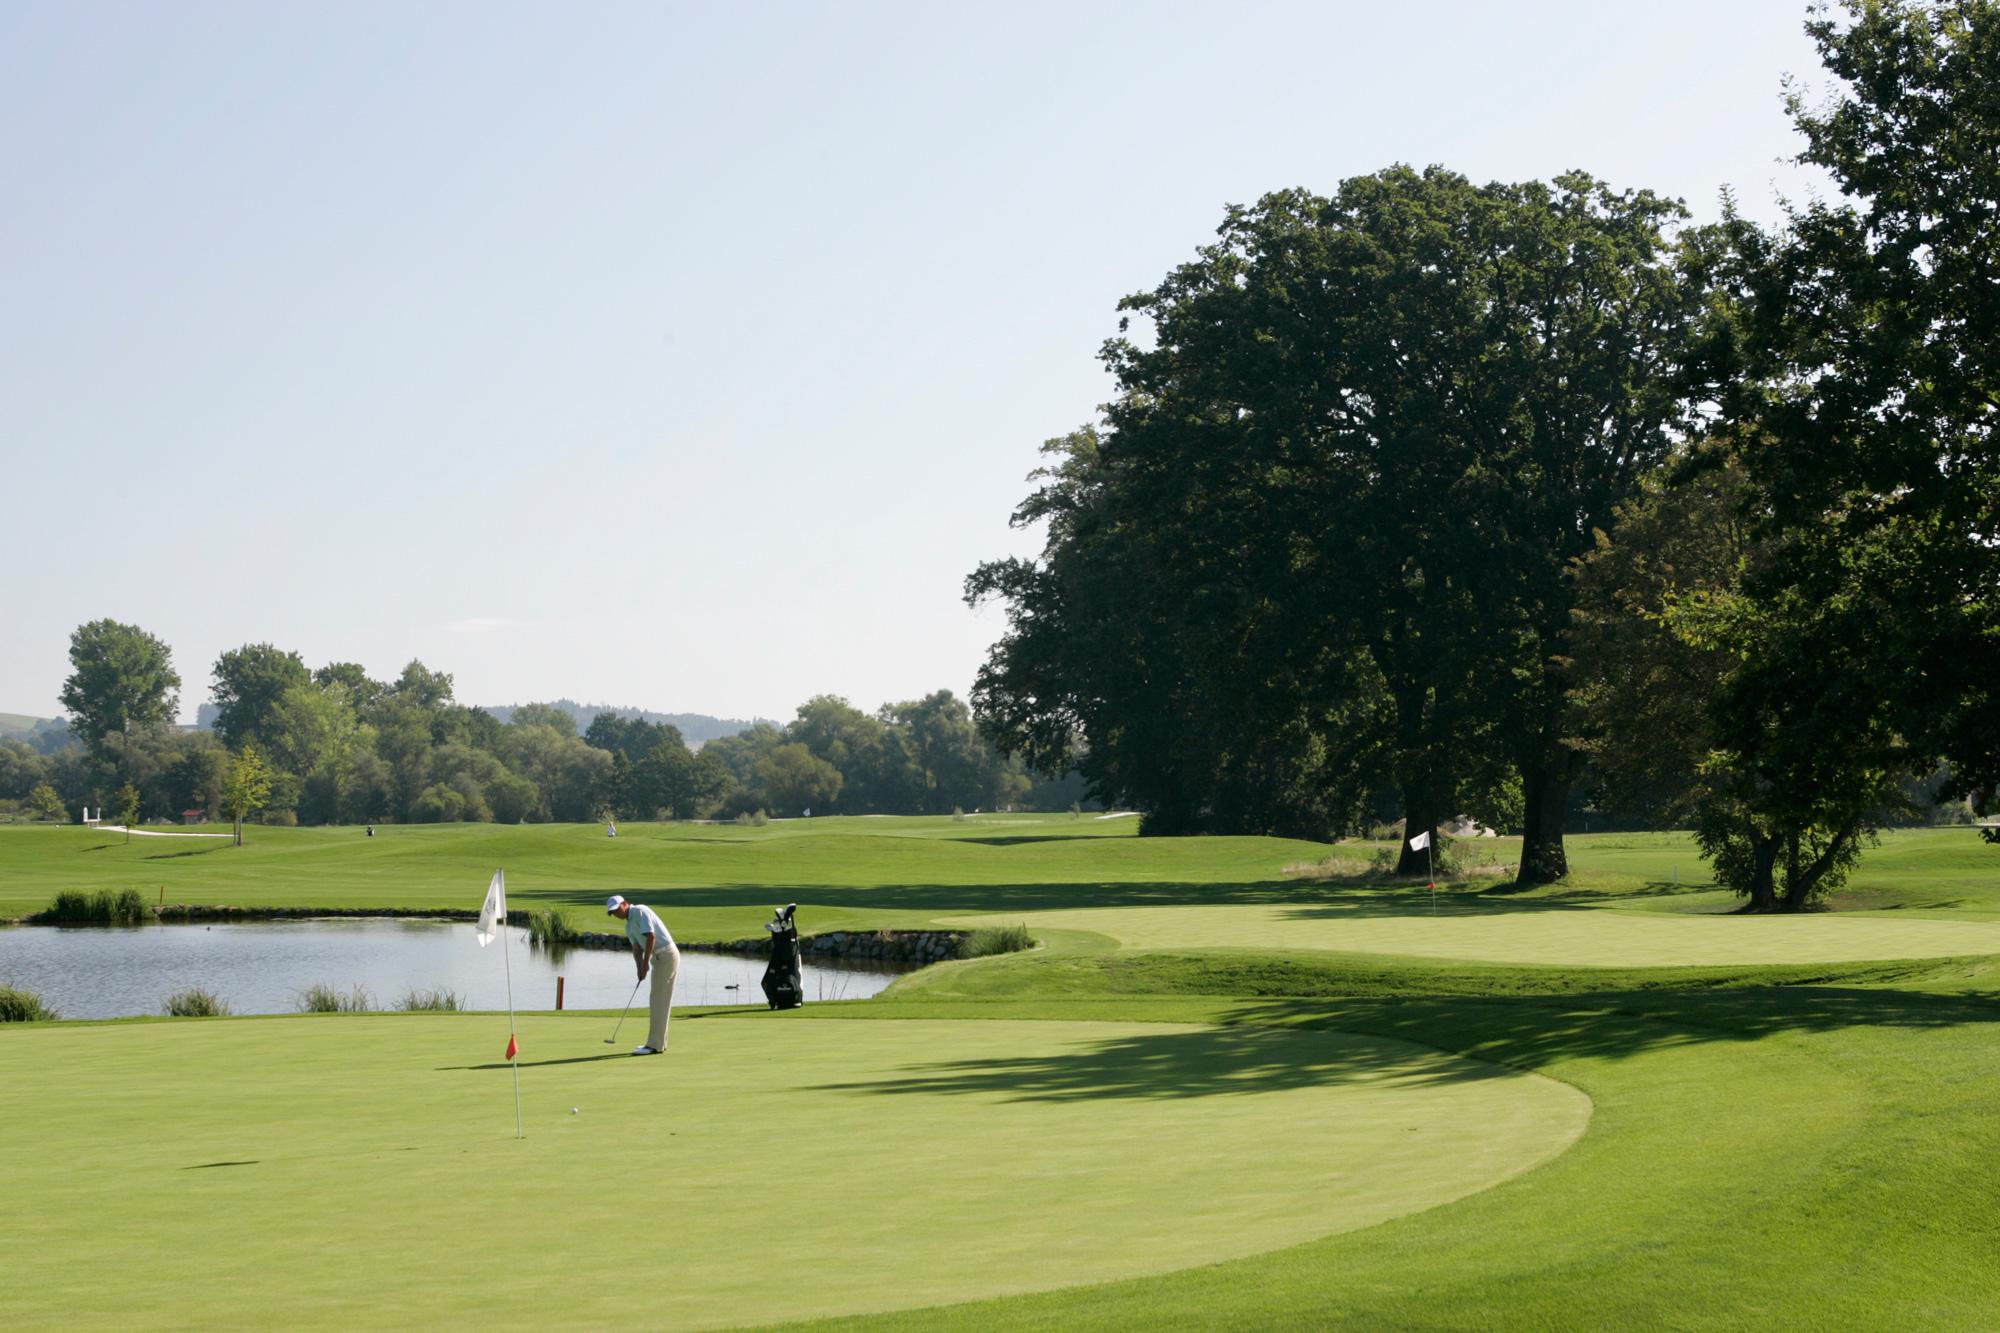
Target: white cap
614, 902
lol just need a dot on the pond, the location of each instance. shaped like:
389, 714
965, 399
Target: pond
260, 968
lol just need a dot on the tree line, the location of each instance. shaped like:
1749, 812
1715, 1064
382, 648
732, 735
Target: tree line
328, 745
1430, 498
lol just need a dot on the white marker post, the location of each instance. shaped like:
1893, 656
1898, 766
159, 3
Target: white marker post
492, 916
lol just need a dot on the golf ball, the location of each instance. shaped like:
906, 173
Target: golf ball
572, 1110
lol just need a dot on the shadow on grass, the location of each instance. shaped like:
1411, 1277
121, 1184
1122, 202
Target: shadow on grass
192, 851
1256, 1047
1315, 897
1213, 1062
537, 1064
1533, 1031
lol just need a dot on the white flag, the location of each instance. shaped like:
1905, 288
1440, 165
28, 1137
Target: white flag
1417, 844
493, 913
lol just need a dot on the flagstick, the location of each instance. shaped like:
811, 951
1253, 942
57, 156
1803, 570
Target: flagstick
507, 961
1430, 869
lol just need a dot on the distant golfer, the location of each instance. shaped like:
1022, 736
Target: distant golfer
653, 951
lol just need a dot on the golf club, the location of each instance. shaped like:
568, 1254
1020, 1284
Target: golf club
612, 1040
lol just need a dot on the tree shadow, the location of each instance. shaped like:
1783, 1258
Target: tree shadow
537, 1064
1212, 1062
192, 851
1255, 1048
1533, 1030
1309, 896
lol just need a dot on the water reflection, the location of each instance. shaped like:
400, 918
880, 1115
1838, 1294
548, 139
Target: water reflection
261, 967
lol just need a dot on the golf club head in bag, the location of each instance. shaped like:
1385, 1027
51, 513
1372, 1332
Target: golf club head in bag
784, 987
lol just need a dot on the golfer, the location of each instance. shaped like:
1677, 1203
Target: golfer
654, 952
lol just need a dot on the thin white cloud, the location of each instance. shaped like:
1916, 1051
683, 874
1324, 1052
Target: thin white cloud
485, 624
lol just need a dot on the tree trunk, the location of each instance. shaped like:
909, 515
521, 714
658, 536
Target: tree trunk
1763, 870
1420, 815
1543, 857
1800, 883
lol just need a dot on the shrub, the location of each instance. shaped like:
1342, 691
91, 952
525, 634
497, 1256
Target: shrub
195, 1002
106, 907
23, 1006
997, 939
320, 998
440, 1000
958, 814
753, 819
551, 928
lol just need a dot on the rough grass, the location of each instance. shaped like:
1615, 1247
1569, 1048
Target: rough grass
320, 998
24, 1006
441, 1000
103, 907
995, 940
194, 1002
550, 928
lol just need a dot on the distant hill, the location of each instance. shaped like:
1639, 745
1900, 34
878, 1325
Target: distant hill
19, 726
46, 734
695, 728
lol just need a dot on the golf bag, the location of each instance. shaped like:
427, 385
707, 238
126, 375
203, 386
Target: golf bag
783, 986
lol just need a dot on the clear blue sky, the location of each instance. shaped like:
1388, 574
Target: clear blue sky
686, 357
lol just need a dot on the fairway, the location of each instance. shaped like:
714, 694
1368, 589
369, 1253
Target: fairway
771, 1167
1529, 933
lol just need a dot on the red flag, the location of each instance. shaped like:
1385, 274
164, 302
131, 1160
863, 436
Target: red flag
513, 1047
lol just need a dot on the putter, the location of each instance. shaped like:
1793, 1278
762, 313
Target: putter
612, 1040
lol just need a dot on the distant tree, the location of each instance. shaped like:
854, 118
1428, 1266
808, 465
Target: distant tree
403, 746
313, 727
362, 689
874, 765
122, 678
422, 687
21, 769
665, 778
951, 765
126, 810
249, 682
466, 726
544, 715
513, 798
607, 732
44, 803
740, 753
247, 788
191, 771
791, 779
1675, 658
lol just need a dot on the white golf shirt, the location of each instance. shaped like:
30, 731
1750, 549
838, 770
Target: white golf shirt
642, 919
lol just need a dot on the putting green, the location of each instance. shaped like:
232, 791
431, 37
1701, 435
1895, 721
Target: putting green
339, 1170
1574, 937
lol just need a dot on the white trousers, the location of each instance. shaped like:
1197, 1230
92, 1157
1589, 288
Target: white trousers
660, 999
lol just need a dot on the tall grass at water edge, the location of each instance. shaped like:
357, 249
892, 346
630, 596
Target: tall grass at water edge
997, 939
320, 998
23, 1006
441, 1000
551, 929
195, 1002
106, 907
